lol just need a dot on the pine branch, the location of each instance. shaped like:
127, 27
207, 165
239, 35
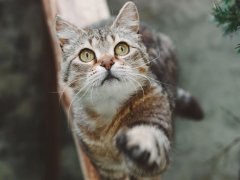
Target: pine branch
227, 15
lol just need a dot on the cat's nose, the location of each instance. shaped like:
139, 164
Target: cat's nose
107, 61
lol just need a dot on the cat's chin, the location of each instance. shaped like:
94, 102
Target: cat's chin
109, 79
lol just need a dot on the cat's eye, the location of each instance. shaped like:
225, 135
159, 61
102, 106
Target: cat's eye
121, 49
86, 55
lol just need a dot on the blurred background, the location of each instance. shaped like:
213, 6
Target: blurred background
209, 68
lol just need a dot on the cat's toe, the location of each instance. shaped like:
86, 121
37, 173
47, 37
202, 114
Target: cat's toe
136, 154
121, 141
139, 156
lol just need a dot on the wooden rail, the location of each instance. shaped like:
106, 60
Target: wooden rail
80, 13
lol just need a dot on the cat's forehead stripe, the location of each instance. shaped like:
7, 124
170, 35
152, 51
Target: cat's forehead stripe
94, 42
110, 39
100, 35
113, 37
90, 41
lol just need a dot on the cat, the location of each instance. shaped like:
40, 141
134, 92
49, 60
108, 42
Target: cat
124, 82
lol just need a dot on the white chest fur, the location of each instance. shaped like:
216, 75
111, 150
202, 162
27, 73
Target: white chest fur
106, 100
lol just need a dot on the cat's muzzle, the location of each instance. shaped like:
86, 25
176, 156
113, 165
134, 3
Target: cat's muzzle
109, 77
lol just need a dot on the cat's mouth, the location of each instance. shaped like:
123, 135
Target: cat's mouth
109, 77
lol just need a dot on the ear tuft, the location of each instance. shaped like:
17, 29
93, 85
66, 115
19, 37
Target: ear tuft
66, 32
127, 18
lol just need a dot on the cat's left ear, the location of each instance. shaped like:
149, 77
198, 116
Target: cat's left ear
66, 32
127, 18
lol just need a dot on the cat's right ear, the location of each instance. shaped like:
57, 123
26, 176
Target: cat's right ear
66, 32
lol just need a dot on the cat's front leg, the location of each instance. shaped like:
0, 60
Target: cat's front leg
145, 149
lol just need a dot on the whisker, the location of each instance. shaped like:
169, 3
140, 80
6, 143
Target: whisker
93, 84
143, 76
125, 81
74, 97
140, 75
65, 87
152, 79
83, 73
138, 85
143, 64
54, 92
146, 57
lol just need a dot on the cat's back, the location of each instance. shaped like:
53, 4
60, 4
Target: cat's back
162, 56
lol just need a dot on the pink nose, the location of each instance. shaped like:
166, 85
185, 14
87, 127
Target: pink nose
107, 61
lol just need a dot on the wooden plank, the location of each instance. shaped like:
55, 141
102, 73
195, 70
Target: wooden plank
80, 13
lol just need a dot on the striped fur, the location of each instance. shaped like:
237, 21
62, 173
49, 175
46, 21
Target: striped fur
124, 124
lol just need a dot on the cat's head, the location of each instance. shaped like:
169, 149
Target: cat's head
104, 57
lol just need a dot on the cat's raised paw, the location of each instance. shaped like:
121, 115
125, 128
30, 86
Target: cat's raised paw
133, 152
143, 148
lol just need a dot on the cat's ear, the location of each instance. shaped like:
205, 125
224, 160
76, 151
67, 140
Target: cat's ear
127, 18
66, 32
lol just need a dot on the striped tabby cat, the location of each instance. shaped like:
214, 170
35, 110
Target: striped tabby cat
124, 81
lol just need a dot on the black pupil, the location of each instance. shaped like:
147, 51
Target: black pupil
122, 49
87, 54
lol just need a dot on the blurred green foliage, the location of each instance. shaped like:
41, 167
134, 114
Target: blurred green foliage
227, 15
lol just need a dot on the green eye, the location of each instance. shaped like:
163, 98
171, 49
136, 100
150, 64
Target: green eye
86, 55
121, 49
